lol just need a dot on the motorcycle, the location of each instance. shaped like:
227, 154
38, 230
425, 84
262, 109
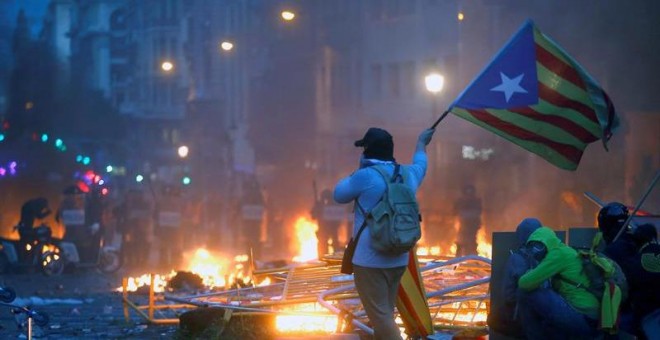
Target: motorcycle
41, 252
53, 255
91, 253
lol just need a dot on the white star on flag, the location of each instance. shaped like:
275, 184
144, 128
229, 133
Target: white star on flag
509, 86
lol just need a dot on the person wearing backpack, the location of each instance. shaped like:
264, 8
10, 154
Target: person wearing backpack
564, 310
377, 274
637, 253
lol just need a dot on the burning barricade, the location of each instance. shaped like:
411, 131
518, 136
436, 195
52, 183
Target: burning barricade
309, 296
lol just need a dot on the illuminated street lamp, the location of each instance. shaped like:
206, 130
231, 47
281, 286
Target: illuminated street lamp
167, 66
226, 45
183, 151
434, 82
461, 16
288, 15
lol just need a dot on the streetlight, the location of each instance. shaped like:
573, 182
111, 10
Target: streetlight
226, 45
288, 15
183, 151
167, 66
434, 82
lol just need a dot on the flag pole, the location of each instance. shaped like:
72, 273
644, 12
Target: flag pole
639, 205
444, 114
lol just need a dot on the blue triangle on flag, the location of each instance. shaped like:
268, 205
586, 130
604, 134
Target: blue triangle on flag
510, 80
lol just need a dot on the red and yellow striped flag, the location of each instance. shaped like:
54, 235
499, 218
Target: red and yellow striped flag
411, 301
538, 97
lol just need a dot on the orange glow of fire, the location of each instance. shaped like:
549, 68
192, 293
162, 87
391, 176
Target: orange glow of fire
305, 231
291, 322
484, 248
216, 271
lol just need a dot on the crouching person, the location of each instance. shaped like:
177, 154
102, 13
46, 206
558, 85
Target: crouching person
558, 310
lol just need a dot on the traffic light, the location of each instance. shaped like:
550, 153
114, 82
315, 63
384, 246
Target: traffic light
186, 180
2, 137
44, 137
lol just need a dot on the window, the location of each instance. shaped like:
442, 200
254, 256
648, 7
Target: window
376, 79
410, 81
394, 78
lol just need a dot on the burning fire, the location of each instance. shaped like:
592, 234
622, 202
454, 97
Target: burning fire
307, 242
215, 270
484, 248
305, 321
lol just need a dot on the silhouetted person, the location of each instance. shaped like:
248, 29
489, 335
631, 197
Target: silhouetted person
467, 209
328, 216
168, 220
252, 214
31, 211
135, 223
71, 214
638, 254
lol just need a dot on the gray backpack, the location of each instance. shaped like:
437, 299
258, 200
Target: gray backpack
394, 222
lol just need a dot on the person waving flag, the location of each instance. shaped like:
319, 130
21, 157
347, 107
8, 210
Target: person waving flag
538, 97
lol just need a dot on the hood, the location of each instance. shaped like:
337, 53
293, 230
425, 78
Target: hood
546, 236
526, 228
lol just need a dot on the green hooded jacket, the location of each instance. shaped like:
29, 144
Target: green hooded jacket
561, 261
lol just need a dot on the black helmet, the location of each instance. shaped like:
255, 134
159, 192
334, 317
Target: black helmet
611, 218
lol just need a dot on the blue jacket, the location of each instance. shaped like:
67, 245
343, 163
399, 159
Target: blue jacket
368, 186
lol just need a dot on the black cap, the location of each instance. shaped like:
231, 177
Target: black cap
375, 136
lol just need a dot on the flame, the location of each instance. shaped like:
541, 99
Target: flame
484, 248
209, 268
216, 271
433, 251
305, 322
307, 241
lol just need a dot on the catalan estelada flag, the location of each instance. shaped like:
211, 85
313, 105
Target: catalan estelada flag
411, 301
538, 97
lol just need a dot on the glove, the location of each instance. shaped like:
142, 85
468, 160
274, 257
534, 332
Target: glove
425, 136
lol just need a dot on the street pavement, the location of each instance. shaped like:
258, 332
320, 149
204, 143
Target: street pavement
80, 305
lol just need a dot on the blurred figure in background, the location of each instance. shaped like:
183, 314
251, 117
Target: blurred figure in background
329, 217
71, 214
252, 215
34, 210
467, 210
169, 210
135, 217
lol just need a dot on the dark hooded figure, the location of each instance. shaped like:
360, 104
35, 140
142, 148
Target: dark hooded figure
33, 209
504, 317
329, 217
467, 209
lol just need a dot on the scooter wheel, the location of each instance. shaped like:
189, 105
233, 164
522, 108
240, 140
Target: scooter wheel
110, 261
52, 263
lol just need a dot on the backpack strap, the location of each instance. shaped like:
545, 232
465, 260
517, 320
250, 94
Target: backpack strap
398, 173
364, 220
